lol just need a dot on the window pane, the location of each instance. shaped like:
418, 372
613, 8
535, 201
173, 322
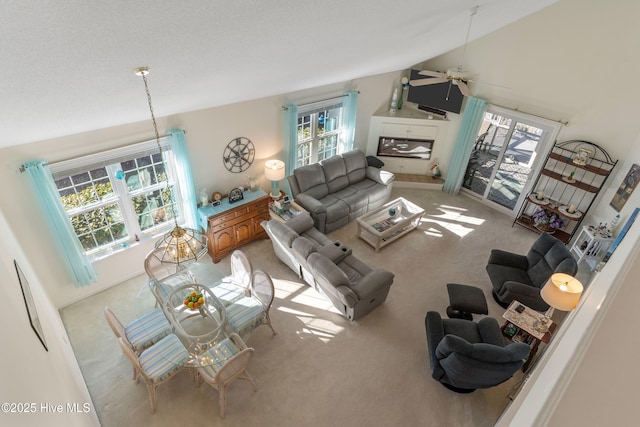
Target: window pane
144, 172
327, 147
304, 154
154, 208
99, 227
321, 123
304, 128
83, 189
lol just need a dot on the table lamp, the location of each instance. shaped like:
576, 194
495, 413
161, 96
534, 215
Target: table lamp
274, 172
562, 291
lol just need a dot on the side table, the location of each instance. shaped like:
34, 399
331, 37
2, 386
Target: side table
286, 213
591, 245
519, 327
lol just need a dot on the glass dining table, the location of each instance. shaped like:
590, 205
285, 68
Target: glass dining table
190, 301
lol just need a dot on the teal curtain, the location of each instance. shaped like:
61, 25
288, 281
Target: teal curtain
471, 120
349, 110
289, 151
69, 247
185, 178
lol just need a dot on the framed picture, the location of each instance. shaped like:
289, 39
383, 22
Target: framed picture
31, 307
626, 188
619, 238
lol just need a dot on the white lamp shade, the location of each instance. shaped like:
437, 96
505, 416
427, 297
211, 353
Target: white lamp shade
274, 170
562, 291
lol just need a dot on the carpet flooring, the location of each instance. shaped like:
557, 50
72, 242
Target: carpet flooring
320, 369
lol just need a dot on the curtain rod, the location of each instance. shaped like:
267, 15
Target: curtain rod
564, 123
285, 108
22, 168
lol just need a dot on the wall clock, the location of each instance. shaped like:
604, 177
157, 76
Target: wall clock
238, 154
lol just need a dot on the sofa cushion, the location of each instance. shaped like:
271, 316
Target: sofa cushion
355, 199
323, 266
283, 233
335, 173
377, 195
300, 223
336, 208
356, 164
502, 273
303, 247
381, 177
311, 180
481, 351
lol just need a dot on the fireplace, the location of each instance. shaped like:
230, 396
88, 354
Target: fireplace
405, 147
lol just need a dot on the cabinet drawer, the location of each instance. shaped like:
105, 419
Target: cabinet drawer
221, 218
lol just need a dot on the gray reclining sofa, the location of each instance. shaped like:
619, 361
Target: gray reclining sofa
339, 189
329, 267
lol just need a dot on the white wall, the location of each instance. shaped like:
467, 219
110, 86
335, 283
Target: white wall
29, 373
564, 63
207, 133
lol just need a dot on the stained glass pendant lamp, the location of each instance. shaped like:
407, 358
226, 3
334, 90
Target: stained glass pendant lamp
181, 245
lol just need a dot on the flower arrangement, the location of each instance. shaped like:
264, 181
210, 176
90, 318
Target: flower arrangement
544, 220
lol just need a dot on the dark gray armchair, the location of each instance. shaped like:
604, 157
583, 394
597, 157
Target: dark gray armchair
467, 355
520, 277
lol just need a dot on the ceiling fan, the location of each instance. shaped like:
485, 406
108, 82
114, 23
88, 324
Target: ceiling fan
455, 76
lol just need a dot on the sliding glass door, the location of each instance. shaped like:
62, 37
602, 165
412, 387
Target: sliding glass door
505, 155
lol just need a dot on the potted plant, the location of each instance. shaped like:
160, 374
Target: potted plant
547, 221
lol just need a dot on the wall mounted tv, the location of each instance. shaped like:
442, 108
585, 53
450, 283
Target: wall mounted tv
435, 95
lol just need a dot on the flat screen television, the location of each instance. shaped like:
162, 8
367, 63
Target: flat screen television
435, 95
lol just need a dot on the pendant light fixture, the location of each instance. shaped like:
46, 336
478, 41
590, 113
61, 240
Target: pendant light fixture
181, 245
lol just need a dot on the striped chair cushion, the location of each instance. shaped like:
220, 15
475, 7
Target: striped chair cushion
215, 358
147, 330
164, 288
164, 358
245, 315
228, 292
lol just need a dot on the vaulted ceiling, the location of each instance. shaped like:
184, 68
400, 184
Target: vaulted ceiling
68, 65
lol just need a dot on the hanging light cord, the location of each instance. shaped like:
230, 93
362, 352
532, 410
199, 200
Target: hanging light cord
143, 71
472, 13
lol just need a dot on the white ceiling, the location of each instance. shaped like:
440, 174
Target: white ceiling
67, 65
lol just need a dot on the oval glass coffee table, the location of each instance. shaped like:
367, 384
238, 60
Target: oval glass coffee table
389, 222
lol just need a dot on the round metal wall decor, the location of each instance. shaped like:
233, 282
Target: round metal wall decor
238, 154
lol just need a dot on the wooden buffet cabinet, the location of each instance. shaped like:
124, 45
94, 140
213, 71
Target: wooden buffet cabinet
232, 225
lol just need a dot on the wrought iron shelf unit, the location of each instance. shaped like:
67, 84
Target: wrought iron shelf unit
572, 176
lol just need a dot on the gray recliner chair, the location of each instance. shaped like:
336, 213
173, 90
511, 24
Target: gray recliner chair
467, 355
520, 277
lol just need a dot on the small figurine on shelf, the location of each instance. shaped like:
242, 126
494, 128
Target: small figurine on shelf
435, 170
570, 177
540, 195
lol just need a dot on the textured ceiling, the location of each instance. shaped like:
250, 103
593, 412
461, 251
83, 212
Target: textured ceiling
67, 65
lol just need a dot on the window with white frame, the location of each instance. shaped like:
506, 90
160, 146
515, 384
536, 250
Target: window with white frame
319, 131
118, 196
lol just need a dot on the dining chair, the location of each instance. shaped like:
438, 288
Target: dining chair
142, 332
157, 363
225, 363
237, 284
155, 268
251, 311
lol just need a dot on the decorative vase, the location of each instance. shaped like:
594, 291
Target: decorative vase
253, 184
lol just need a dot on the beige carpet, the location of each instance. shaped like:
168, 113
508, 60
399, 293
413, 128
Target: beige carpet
320, 369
